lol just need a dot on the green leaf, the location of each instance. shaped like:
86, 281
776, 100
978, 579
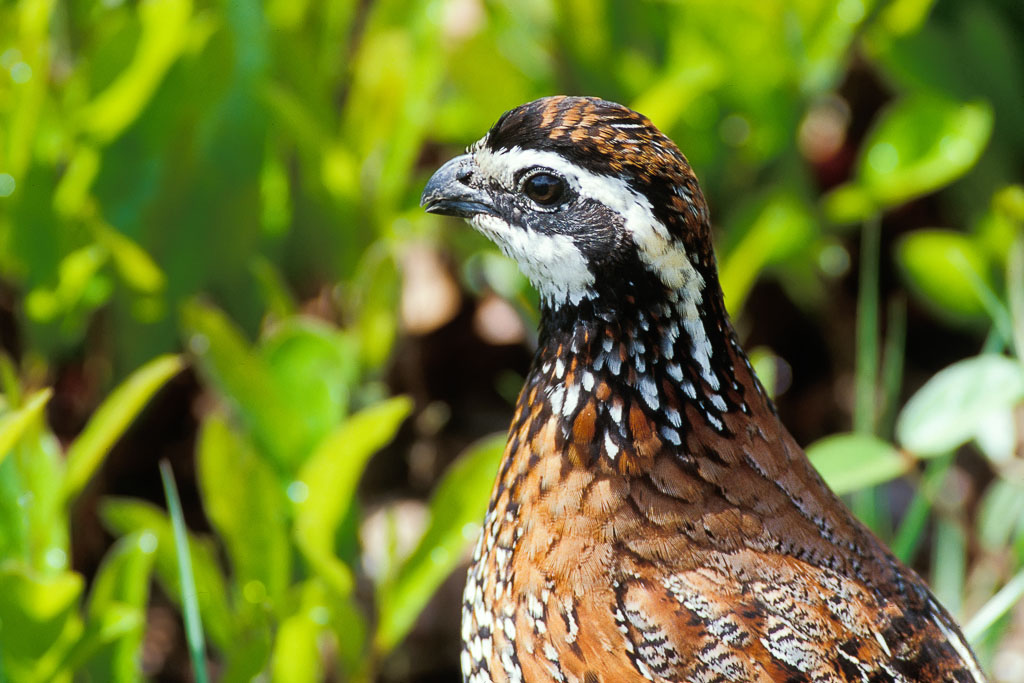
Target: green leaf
1000, 515
165, 26
944, 267
134, 264
781, 226
296, 651
14, 423
314, 366
249, 514
246, 383
111, 420
326, 485
850, 462
35, 611
921, 144
947, 411
456, 509
117, 610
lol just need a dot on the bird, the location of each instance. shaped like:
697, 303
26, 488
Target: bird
652, 519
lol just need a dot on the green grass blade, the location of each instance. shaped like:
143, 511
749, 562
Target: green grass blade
892, 365
866, 504
998, 605
189, 600
949, 564
867, 330
911, 530
1015, 288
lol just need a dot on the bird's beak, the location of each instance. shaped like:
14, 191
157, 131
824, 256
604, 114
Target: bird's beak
449, 193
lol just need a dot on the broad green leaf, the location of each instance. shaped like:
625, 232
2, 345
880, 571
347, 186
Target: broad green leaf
296, 657
456, 509
947, 411
14, 423
921, 144
314, 366
850, 462
111, 420
245, 503
945, 268
349, 626
324, 489
124, 516
34, 611
377, 322
41, 468
998, 436
918, 145
245, 382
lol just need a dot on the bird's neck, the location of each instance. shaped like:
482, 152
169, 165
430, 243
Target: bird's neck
637, 376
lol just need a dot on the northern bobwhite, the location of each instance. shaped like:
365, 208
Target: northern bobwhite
652, 519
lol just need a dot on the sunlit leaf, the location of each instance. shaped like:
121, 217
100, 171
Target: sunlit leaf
112, 418
296, 657
850, 462
133, 263
920, 144
117, 609
314, 366
326, 484
944, 267
35, 610
244, 501
246, 383
14, 423
164, 34
780, 227
949, 408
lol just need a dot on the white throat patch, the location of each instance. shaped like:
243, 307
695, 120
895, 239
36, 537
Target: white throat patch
554, 265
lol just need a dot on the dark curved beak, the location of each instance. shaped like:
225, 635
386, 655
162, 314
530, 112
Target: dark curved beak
449, 193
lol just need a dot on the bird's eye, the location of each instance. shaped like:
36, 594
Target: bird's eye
544, 188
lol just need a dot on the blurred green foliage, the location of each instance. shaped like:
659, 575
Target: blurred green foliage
160, 155
49, 627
